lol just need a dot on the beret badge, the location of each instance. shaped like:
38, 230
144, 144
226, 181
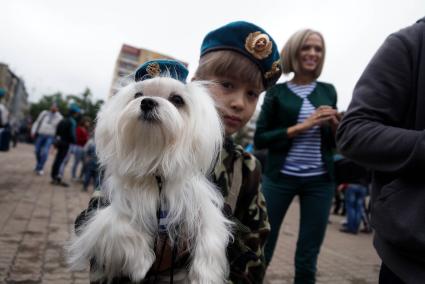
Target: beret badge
259, 45
153, 69
274, 70
250, 41
161, 67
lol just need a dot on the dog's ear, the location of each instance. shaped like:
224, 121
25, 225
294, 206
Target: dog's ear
105, 134
205, 127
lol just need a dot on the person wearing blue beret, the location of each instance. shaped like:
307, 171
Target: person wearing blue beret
64, 137
241, 60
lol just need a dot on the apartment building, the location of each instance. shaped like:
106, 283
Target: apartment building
128, 60
16, 96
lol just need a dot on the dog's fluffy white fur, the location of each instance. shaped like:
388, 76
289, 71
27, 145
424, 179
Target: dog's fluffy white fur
157, 127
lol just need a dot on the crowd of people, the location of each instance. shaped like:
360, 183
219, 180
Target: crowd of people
297, 127
71, 136
313, 152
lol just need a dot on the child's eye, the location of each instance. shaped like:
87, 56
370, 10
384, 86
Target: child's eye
253, 94
227, 85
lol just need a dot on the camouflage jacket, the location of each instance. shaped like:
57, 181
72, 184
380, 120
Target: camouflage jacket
246, 252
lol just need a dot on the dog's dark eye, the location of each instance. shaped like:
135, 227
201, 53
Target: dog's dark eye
138, 94
176, 100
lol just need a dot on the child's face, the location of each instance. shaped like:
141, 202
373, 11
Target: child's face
236, 101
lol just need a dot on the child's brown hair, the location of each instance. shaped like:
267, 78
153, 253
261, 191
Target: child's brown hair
226, 63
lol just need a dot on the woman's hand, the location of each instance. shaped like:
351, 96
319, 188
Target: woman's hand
322, 116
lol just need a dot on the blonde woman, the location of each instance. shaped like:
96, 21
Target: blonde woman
297, 123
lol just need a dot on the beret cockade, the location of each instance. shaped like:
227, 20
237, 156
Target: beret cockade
161, 68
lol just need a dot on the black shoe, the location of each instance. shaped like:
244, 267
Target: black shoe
347, 231
58, 181
64, 184
366, 230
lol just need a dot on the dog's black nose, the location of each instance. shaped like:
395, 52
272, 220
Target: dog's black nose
148, 104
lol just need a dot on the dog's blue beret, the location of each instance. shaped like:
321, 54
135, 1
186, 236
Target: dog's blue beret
161, 68
252, 42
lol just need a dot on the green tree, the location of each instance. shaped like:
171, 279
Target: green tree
84, 100
46, 101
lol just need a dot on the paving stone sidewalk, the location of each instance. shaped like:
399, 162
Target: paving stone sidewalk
36, 220
343, 259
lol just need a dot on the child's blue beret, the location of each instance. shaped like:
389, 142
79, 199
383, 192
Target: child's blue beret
252, 42
161, 68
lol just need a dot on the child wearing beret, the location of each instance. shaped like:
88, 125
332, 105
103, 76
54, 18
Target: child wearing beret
241, 60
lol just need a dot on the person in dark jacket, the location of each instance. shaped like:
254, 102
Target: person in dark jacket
65, 135
384, 130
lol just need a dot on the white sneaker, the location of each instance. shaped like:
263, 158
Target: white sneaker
40, 172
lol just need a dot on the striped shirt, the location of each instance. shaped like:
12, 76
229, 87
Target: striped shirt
163, 221
304, 158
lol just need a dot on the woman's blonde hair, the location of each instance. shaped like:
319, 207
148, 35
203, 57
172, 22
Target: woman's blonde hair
226, 63
290, 52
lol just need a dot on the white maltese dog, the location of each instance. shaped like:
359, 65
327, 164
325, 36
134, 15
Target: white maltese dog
156, 129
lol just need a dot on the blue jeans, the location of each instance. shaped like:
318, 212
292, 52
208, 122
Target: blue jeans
91, 172
315, 195
355, 195
42, 147
78, 156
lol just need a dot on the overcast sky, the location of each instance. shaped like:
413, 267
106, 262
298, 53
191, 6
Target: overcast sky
66, 46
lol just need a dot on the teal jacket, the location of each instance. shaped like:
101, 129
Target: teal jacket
280, 111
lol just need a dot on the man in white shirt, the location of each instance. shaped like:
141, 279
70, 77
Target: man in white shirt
4, 127
44, 129
4, 113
